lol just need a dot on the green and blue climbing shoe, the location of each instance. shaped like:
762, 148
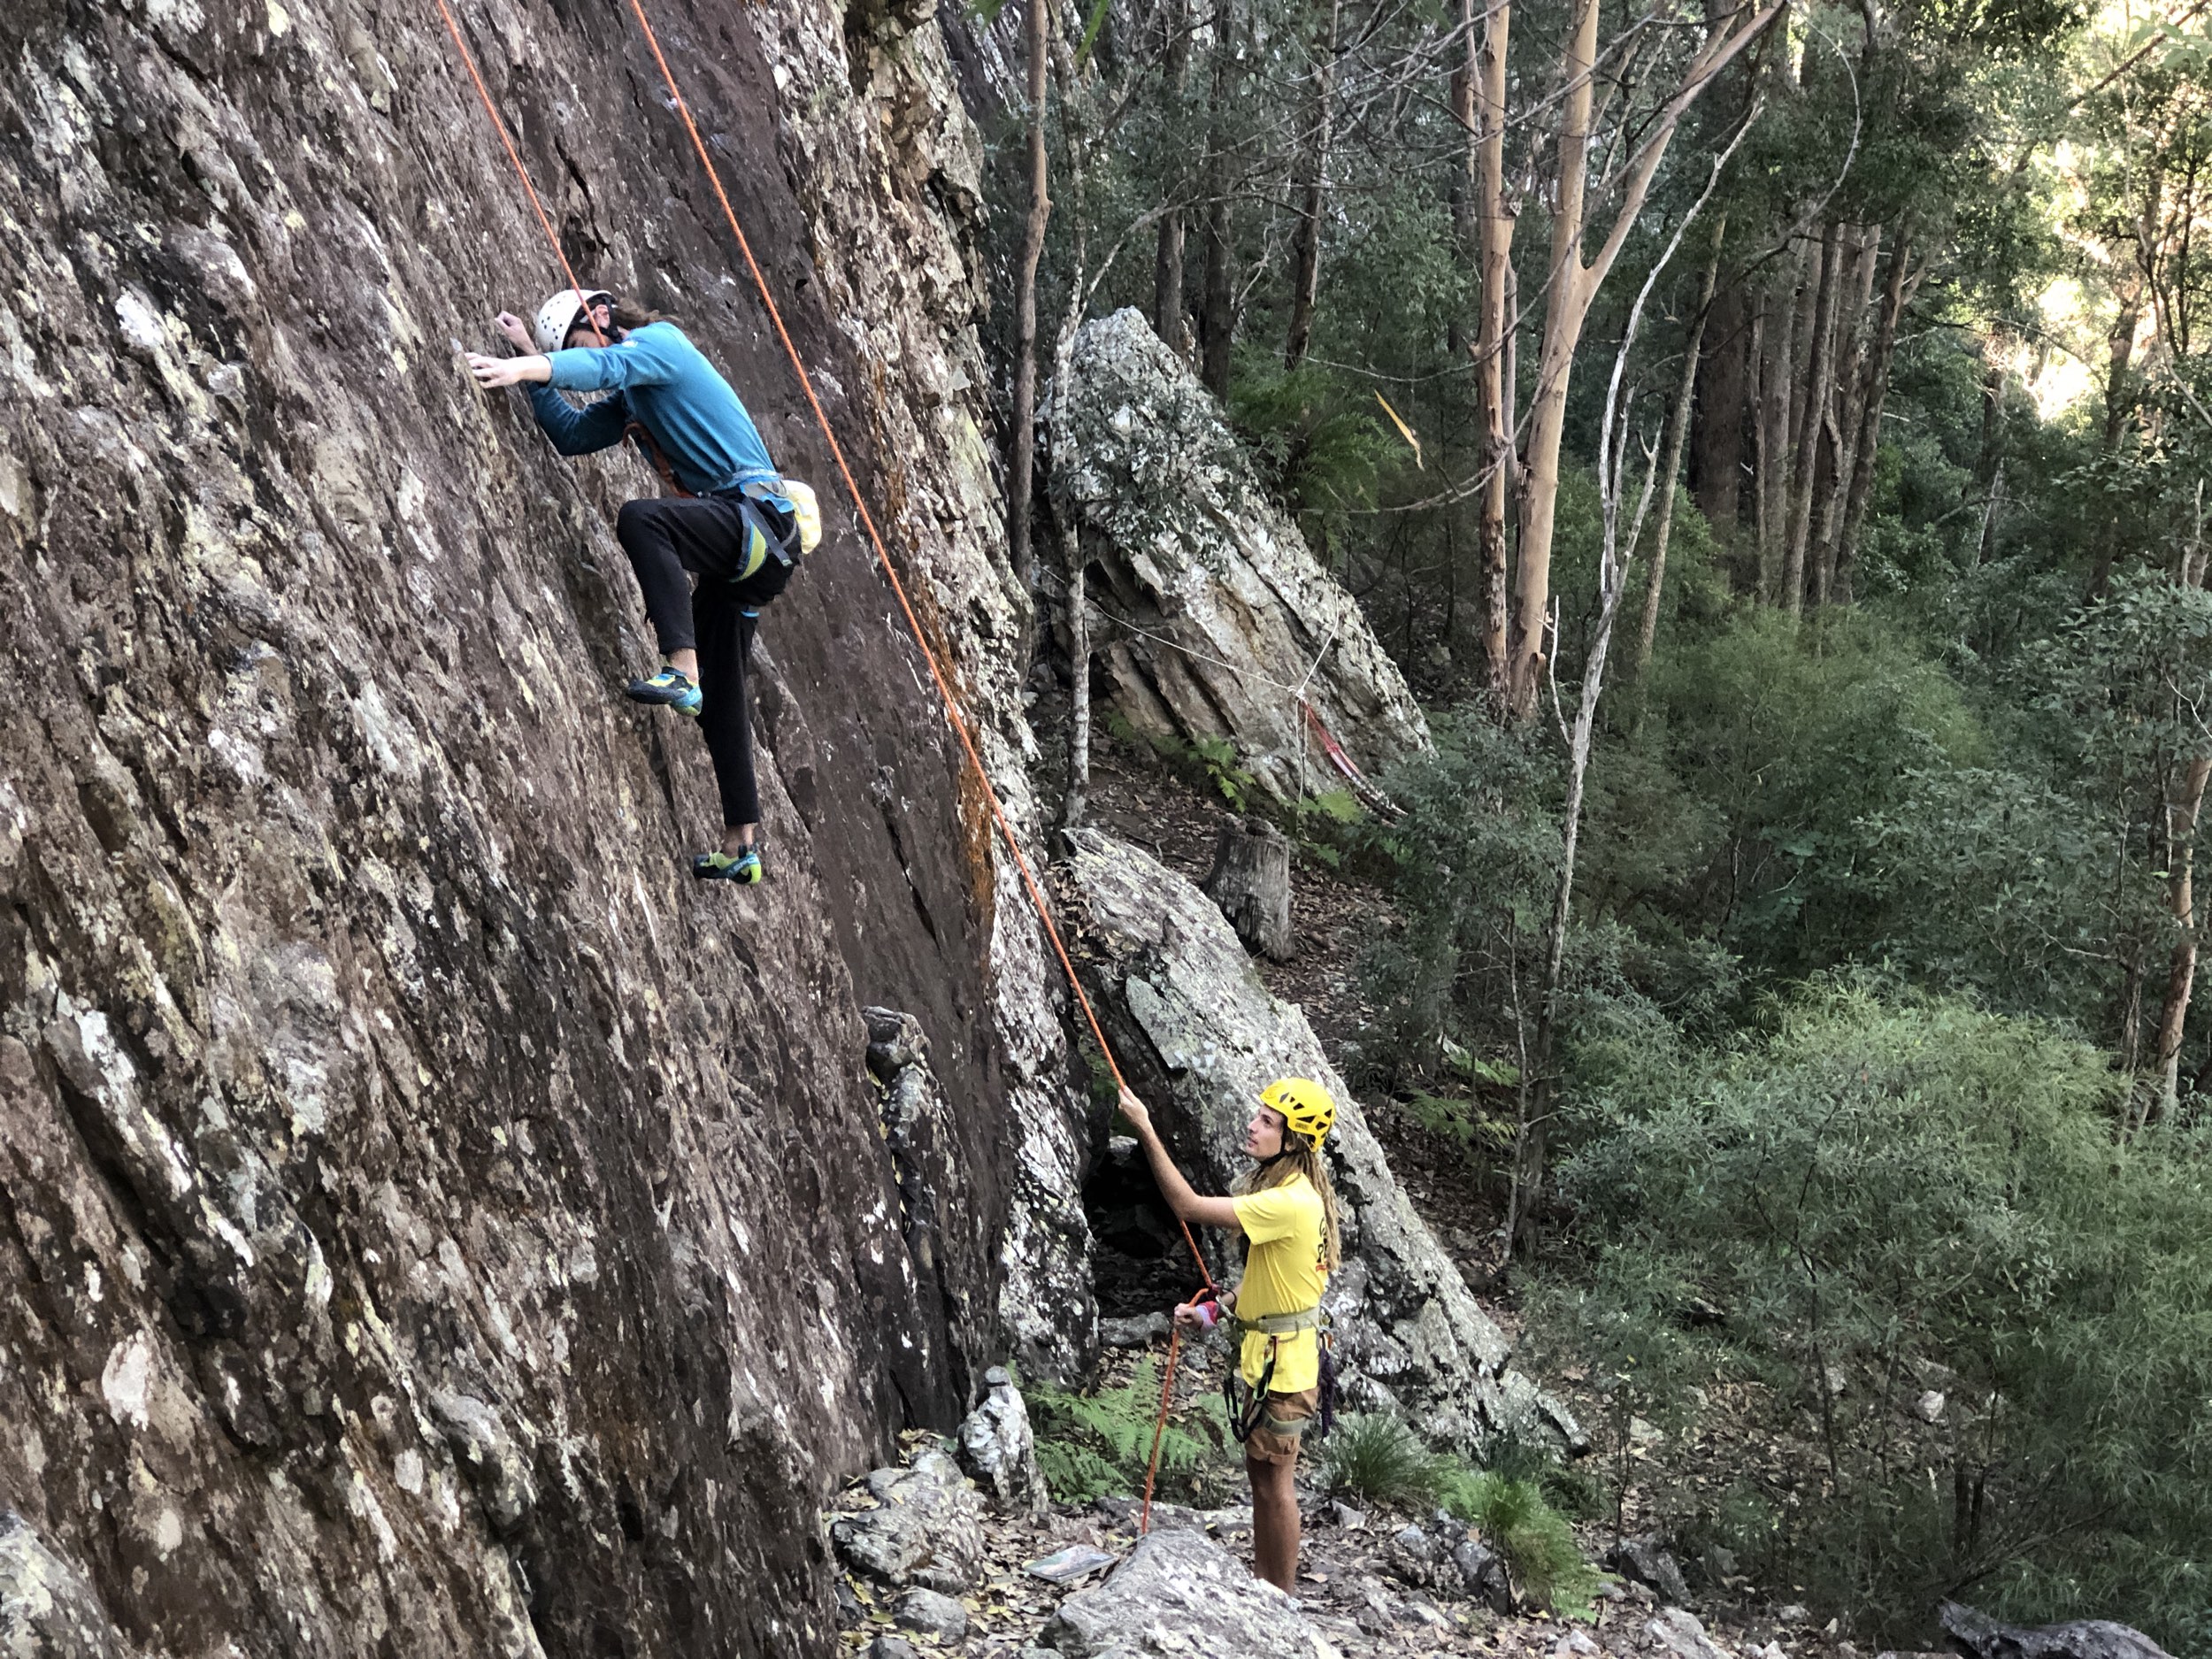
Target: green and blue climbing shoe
743, 866
671, 688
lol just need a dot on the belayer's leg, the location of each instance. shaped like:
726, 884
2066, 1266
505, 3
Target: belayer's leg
725, 643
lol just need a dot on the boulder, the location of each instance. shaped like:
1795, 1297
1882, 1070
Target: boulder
997, 1447
1683, 1635
1200, 1036
926, 1528
931, 1613
1179, 1593
1212, 616
1644, 1561
1977, 1634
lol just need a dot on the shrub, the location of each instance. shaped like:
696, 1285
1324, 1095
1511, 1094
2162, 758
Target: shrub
1375, 1457
1548, 1566
1893, 1197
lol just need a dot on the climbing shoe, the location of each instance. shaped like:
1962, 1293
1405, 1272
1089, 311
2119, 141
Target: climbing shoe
742, 866
671, 687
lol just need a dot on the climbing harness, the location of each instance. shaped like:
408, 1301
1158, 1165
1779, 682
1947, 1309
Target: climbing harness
883, 558
1248, 1413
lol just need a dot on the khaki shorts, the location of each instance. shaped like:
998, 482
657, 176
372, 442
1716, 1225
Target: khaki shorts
1281, 1426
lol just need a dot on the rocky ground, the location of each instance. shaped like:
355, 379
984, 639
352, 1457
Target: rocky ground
1007, 1582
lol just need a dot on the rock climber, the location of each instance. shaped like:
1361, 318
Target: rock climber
1287, 1211
736, 530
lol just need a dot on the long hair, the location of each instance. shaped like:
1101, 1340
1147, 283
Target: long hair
629, 314
1300, 1157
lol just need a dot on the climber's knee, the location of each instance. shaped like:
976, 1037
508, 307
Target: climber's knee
630, 521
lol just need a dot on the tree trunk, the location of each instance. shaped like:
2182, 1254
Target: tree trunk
2183, 804
1251, 881
1777, 312
1876, 380
2182, 809
1669, 463
1716, 444
1850, 394
1021, 472
1566, 305
1314, 169
1493, 335
1572, 285
1814, 403
1217, 319
1168, 320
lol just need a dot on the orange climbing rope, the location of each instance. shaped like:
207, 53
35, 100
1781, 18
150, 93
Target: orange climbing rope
883, 559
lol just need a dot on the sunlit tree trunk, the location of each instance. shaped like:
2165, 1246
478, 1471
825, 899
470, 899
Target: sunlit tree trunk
1571, 285
1313, 168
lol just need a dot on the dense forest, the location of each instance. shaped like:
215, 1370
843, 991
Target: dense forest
1774, 441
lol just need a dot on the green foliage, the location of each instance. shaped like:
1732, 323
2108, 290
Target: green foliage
1895, 1195
1375, 1457
1096, 1445
1547, 1565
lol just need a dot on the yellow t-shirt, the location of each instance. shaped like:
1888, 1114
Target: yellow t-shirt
1282, 1274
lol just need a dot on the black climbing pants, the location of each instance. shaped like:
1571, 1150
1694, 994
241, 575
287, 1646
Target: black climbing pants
672, 540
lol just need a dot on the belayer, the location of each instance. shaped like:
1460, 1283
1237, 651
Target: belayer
1287, 1211
737, 525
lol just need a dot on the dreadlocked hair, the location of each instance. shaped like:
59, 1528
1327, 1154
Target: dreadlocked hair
1300, 1157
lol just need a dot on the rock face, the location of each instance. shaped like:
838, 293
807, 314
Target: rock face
1214, 617
1180, 1593
431, 1222
1200, 1036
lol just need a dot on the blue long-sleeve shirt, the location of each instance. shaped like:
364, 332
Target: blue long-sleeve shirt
665, 384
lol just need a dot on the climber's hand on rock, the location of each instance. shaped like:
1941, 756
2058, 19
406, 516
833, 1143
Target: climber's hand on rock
516, 330
494, 372
1134, 1109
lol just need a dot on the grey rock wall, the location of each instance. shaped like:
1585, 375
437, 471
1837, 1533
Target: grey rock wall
1212, 617
431, 1223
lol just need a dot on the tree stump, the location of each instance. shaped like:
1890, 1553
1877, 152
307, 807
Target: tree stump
1251, 881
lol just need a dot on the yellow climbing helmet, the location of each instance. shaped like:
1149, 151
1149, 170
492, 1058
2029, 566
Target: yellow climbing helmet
1305, 1107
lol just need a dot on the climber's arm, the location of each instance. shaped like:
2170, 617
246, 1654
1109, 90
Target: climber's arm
1182, 1198
574, 431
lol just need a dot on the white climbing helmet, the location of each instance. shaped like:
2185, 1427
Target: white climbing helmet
558, 314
